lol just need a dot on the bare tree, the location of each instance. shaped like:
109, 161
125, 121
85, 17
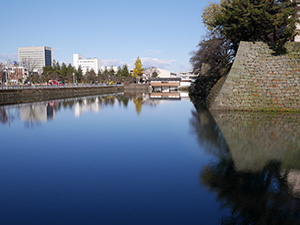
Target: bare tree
2, 72
212, 60
149, 73
32, 66
215, 54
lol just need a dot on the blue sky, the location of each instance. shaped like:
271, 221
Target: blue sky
161, 32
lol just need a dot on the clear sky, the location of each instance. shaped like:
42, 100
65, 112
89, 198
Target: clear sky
161, 32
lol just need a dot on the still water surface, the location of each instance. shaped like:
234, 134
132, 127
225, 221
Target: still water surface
133, 159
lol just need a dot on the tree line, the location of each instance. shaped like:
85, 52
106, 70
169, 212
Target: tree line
69, 74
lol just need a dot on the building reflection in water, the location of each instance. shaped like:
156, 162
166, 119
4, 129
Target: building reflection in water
39, 112
256, 174
86, 105
34, 114
165, 95
171, 94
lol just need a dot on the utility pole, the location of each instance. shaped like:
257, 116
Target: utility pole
6, 79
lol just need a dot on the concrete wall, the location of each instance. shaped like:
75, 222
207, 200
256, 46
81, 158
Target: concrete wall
259, 80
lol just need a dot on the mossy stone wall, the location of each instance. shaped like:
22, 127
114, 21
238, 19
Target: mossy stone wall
260, 80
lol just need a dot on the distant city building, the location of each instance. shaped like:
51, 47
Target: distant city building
35, 57
86, 64
161, 73
16, 71
166, 74
187, 78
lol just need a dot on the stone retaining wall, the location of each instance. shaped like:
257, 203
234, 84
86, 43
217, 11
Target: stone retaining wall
136, 88
14, 96
260, 80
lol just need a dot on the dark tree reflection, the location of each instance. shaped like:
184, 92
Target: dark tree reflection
3, 115
263, 197
267, 195
208, 133
8, 115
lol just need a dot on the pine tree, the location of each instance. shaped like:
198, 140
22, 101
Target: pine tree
70, 71
105, 70
119, 71
111, 71
79, 74
271, 21
91, 76
125, 71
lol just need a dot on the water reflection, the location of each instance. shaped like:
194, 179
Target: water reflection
90, 105
256, 173
255, 138
262, 197
208, 134
35, 114
166, 95
170, 94
8, 116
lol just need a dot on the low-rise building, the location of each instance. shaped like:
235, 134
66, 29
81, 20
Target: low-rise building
187, 78
165, 84
166, 74
86, 64
159, 73
16, 71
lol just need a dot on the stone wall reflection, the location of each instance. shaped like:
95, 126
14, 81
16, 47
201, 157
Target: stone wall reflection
255, 175
208, 134
256, 138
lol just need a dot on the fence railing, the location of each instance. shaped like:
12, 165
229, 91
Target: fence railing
10, 87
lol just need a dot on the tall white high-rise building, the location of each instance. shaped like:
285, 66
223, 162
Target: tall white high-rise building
35, 57
86, 64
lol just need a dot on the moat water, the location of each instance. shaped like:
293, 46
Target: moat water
142, 159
